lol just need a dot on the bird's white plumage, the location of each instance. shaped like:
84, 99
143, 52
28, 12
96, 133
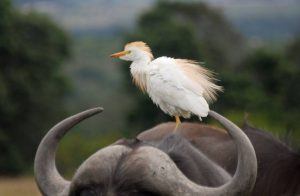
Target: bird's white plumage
171, 89
179, 87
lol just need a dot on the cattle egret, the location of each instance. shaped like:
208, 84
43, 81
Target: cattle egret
180, 87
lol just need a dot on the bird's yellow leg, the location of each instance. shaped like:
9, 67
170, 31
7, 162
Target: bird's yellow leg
177, 119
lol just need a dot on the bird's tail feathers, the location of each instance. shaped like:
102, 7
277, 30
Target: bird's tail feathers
199, 106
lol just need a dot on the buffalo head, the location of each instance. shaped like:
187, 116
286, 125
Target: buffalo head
137, 168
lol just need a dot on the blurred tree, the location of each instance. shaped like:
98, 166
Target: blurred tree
267, 85
32, 86
292, 52
291, 85
254, 85
180, 30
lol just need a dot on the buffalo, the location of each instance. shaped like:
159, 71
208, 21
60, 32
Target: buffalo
165, 163
278, 164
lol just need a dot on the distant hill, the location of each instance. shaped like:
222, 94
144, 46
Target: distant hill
90, 15
266, 21
263, 19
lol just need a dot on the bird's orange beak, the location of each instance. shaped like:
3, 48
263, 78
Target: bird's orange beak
119, 54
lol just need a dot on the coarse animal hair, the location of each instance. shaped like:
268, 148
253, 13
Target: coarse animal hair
278, 164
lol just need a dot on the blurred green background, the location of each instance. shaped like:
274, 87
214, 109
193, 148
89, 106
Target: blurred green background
54, 58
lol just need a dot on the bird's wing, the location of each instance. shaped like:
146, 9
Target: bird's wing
169, 85
200, 78
164, 81
187, 75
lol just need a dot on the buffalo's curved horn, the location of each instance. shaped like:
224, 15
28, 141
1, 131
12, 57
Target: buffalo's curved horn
49, 181
244, 178
167, 178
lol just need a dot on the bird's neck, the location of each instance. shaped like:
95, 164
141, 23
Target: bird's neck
138, 69
141, 60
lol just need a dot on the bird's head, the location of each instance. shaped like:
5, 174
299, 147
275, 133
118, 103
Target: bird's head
134, 51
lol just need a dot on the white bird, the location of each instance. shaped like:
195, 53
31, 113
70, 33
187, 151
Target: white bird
180, 87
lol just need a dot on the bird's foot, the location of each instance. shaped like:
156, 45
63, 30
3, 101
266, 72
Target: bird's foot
177, 119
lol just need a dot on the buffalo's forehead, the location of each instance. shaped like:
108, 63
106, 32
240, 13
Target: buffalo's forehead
111, 167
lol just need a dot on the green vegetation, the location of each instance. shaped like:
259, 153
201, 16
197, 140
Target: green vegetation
84, 146
35, 93
97, 81
32, 86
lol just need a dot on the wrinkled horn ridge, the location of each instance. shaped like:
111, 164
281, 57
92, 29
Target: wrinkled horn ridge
49, 181
239, 185
244, 178
169, 179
